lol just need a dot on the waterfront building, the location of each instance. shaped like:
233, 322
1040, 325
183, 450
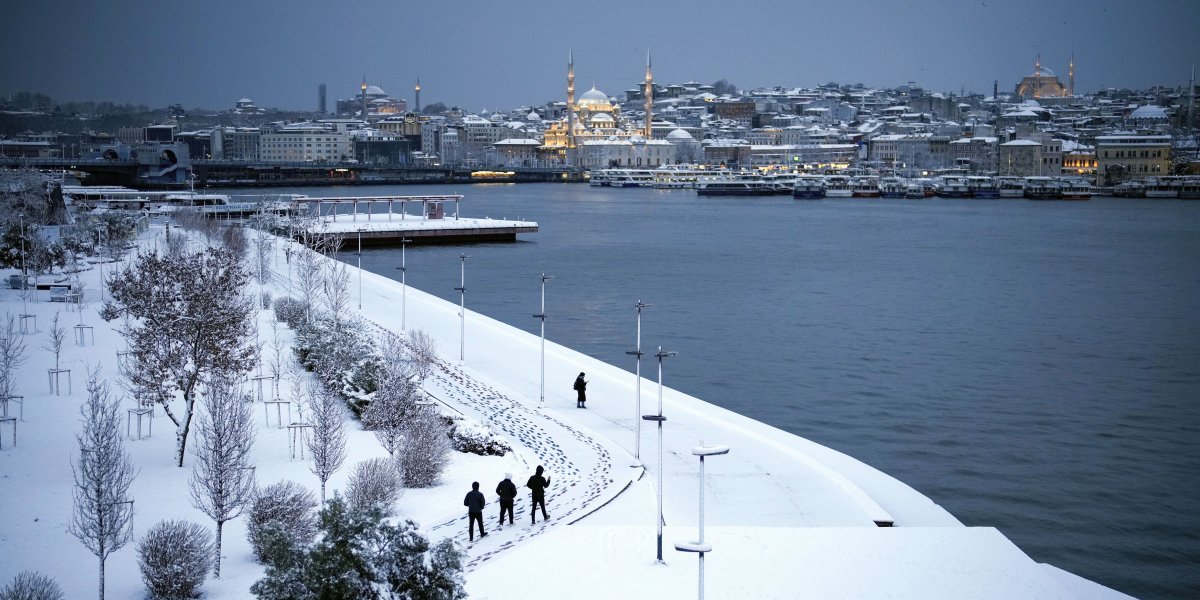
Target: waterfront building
1078, 160
305, 142
1020, 158
1127, 156
235, 143
979, 152
1051, 156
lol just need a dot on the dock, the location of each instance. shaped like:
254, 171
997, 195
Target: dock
429, 226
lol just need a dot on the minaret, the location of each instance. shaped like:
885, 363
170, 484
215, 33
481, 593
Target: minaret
364, 98
649, 133
417, 89
1192, 100
570, 99
1071, 75
1037, 76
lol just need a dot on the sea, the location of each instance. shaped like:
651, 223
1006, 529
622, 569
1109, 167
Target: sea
1030, 366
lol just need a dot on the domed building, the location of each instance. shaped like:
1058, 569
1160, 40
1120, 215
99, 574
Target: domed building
1043, 83
378, 104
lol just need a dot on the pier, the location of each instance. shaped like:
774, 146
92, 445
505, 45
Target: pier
430, 226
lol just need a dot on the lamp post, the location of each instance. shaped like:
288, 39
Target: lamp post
542, 316
637, 386
462, 309
403, 286
359, 253
700, 547
659, 418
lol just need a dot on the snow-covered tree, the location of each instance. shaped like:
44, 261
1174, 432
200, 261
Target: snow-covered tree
424, 448
396, 398
421, 352
103, 511
174, 558
31, 585
54, 339
191, 320
12, 355
223, 478
327, 442
375, 482
287, 504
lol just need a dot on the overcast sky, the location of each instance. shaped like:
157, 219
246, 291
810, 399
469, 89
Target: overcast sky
504, 54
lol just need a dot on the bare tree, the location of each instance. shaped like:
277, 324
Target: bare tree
328, 441
55, 337
308, 279
192, 321
422, 353
223, 479
375, 482
12, 356
425, 447
396, 398
103, 512
335, 292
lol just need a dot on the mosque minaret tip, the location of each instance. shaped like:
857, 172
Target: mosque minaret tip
649, 106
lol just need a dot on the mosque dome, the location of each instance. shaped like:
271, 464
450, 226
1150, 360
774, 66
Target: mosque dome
1043, 72
533, 116
679, 135
374, 90
601, 119
593, 97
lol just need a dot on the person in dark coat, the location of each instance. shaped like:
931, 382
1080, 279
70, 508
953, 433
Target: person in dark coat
507, 491
474, 503
537, 487
581, 388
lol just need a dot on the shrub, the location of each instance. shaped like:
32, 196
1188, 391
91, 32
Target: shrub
287, 504
174, 558
265, 299
14, 281
290, 311
31, 585
422, 453
475, 438
375, 482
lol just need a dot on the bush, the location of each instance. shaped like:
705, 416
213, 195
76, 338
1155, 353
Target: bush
375, 482
266, 300
174, 558
14, 281
475, 438
31, 585
290, 311
286, 504
422, 453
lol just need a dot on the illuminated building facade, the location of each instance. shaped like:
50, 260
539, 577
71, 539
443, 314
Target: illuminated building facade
593, 118
1043, 83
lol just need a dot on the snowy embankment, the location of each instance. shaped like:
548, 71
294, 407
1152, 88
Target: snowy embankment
788, 517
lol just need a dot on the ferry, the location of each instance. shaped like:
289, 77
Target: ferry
983, 187
630, 178
1163, 187
953, 186
838, 186
1074, 189
1130, 189
599, 178
865, 187
680, 176
1041, 188
1190, 189
914, 191
892, 187
1010, 187
737, 184
809, 187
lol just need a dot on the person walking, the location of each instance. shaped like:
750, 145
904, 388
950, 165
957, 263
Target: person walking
507, 491
581, 388
537, 486
474, 503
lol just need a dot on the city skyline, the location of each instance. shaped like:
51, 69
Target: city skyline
481, 55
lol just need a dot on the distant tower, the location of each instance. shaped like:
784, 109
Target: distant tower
1192, 100
364, 98
570, 99
649, 99
1037, 72
321, 98
417, 90
1071, 75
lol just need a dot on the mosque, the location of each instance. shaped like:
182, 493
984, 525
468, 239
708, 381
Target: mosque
379, 104
1043, 83
594, 133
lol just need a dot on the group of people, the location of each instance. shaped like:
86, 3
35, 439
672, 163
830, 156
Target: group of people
507, 490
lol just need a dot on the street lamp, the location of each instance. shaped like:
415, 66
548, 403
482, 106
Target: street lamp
403, 287
659, 418
360, 232
542, 316
699, 547
462, 309
637, 386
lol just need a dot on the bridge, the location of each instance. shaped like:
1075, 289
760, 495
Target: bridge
224, 173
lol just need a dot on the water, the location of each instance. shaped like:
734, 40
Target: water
1032, 366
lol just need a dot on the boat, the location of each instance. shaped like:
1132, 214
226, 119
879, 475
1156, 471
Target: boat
953, 186
983, 187
735, 184
914, 191
599, 178
1041, 188
865, 187
1130, 189
630, 178
1010, 187
1163, 187
1190, 188
892, 187
680, 176
1074, 189
809, 187
838, 186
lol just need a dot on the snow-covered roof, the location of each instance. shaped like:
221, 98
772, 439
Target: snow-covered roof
1021, 143
1149, 111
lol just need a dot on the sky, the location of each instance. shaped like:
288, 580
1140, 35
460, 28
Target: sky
501, 55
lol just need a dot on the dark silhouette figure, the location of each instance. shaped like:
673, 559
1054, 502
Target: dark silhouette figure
474, 503
507, 491
581, 388
537, 487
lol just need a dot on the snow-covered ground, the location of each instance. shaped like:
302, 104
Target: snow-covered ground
786, 517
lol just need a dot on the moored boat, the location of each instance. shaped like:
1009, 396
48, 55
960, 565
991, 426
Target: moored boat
953, 186
838, 186
983, 187
914, 191
892, 187
1041, 188
1190, 188
809, 187
866, 186
1010, 187
1074, 189
1163, 187
736, 184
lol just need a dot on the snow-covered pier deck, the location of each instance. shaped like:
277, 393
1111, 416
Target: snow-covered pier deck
391, 228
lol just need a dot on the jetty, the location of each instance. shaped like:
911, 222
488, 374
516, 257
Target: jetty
357, 220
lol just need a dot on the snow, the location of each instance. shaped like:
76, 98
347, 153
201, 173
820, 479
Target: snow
786, 517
